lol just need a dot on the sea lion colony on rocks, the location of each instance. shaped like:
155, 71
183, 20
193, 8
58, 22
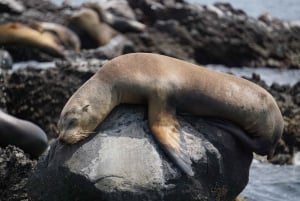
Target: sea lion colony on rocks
168, 33
87, 26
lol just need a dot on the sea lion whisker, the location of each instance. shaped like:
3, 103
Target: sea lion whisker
87, 133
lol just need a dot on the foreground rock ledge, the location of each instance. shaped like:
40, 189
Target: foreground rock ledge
123, 162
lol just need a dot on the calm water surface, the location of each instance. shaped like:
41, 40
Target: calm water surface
273, 183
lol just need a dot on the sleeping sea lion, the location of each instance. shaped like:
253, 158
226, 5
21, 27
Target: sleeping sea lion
168, 85
87, 21
17, 33
66, 37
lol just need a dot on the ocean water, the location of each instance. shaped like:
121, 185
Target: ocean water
282, 9
269, 182
269, 75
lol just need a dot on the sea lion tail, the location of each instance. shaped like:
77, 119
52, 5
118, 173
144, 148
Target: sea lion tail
165, 127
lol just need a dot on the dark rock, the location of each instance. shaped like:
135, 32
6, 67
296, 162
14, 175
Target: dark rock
6, 61
15, 168
12, 6
295, 92
221, 34
42, 10
43, 92
123, 162
218, 34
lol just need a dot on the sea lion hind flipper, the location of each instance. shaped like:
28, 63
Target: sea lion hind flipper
165, 128
237, 132
180, 158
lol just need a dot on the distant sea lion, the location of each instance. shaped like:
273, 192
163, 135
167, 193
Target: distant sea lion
23, 134
169, 85
65, 36
119, 23
88, 21
16, 33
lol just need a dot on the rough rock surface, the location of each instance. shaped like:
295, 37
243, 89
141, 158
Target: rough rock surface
15, 167
43, 93
12, 6
216, 34
123, 162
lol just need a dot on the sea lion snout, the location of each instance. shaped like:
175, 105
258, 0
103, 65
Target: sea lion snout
76, 123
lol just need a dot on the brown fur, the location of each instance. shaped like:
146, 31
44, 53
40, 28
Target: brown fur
16, 33
88, 20
168, 86
65, 36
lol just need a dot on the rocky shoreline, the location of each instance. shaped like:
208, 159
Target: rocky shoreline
218, 34
201, 34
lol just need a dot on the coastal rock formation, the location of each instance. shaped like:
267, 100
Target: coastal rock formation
199, 33
11, 6
15, 167
123, 162
213, 34
216, 34
43, 93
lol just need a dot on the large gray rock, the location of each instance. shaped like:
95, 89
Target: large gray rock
123, 162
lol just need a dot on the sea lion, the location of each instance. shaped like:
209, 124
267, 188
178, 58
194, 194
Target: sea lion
88, 21
168, 85
66, 37
23, 134
120, 23
16, 33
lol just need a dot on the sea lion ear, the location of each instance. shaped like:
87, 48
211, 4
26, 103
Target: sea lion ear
85, 108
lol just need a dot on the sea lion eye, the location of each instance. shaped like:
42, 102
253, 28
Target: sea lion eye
85, 108
72, 123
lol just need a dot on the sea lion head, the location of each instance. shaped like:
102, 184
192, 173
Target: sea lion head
76, 122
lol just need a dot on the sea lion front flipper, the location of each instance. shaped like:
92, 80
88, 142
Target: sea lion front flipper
165, 127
